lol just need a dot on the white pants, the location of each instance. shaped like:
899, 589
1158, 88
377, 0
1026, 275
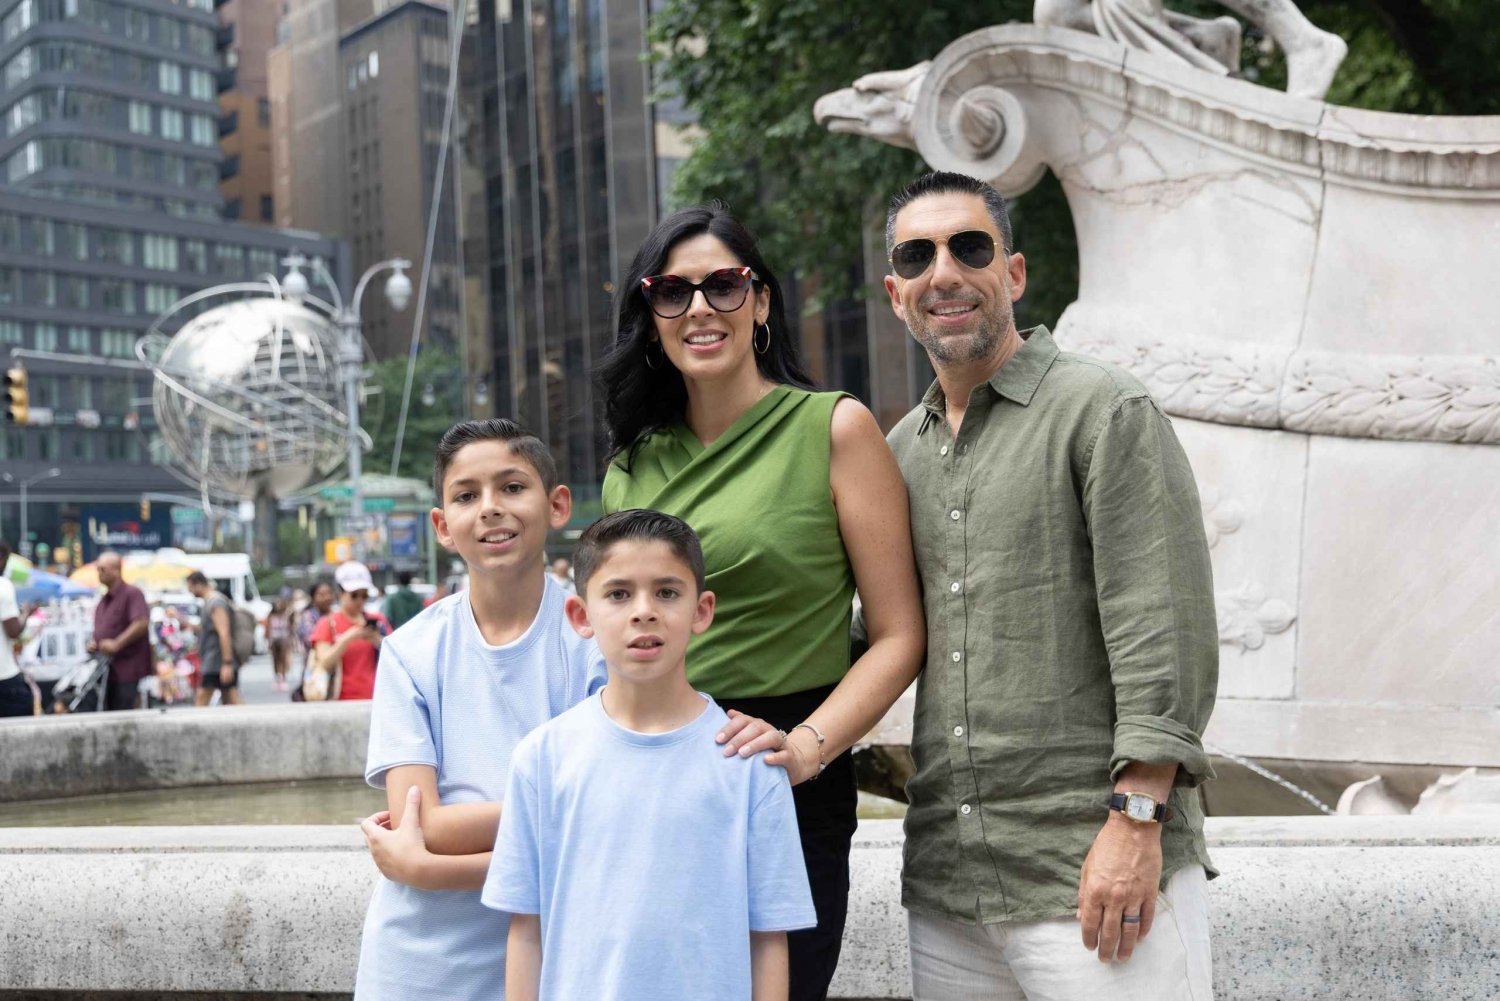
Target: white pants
1046, 960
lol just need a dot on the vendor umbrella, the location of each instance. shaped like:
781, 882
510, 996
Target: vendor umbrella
45, 586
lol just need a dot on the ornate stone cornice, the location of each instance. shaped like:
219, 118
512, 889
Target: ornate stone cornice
1451, 398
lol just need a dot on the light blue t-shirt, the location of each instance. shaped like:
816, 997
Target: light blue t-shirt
446, 698
649, 856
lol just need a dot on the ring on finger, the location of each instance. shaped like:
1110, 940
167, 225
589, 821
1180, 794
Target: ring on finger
782, 734
1130, 919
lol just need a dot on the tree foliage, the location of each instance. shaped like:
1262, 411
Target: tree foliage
751, 69
425, 423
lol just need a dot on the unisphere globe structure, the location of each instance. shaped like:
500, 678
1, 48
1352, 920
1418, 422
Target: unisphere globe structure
248, 398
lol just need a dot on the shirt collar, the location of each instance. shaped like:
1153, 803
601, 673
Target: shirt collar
1017, 380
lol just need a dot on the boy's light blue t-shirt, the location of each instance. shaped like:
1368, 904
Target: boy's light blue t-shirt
446, 698
649, 856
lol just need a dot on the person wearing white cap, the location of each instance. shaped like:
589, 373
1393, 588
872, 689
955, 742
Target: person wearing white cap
346, 642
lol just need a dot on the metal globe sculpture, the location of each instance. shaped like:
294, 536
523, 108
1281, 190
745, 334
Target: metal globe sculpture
248, 397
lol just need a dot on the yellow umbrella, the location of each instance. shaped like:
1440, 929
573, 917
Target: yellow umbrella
157, 575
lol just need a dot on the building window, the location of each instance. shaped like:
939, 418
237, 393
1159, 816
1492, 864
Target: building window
267, 208
374, 65
44, 337
72, 241
160, 252
201, 83
263, 112
79, 342
171, 123
262, 261
83, 392
230, 259
169, 78
46, 445
10, 332
160, 298
117, 297
43, 391
12, 445
83, 445
140, 117
232, 209
117, 343
195, 256
115, 246
204, 131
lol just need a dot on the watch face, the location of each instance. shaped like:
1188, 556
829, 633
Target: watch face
1139, 806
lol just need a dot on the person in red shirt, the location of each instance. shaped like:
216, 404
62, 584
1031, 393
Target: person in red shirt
346, 641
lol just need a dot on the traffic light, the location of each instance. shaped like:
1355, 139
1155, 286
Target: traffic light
17, 397
145, 509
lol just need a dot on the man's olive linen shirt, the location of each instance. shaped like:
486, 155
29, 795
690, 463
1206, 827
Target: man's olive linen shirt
1070, 631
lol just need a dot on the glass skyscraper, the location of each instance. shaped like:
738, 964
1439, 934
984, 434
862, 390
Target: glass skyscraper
110, 211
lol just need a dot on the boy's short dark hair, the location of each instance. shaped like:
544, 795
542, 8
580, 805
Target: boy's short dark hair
405, 577
635, 525
197, 577
944, 182
521, 441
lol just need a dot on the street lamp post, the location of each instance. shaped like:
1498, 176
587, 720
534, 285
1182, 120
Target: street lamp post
351, 352
24, 547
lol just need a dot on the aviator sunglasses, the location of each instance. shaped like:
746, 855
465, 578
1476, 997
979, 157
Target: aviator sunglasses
726, 289
972, 248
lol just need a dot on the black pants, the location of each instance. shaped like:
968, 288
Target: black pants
121, 694
826, 820
15, 694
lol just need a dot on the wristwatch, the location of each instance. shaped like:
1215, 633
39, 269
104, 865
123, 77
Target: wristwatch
1141, 808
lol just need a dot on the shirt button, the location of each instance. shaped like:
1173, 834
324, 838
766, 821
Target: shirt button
954, 587
958, 731
943, 450
965, 809
954, 514
957, 656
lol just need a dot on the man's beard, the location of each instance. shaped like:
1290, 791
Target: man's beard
961, 349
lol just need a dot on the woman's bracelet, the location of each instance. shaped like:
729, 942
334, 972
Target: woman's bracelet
818, 734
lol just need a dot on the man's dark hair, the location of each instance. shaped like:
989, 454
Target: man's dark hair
635, 525
641, 396
404, 578
521, 441
943, 182
5, 552
197, 577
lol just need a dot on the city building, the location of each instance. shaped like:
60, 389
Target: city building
362, 88
110, 211
245, 35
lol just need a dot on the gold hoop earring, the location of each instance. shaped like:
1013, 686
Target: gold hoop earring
649, 363
755, 337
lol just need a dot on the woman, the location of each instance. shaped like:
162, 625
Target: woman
798, 501
346, 642
319, 604
279, 640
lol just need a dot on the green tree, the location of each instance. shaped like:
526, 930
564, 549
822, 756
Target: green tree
751, 70
425, 422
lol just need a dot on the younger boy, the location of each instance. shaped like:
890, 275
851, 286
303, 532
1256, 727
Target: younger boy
458, 686
636, 860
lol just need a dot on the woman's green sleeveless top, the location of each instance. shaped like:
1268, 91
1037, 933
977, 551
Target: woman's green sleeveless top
760, 501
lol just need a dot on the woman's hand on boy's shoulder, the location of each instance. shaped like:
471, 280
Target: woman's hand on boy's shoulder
746, 735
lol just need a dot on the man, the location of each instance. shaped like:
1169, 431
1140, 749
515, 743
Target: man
121, 625
1072, 643
217, 666
15, 693
404, 604
562, 574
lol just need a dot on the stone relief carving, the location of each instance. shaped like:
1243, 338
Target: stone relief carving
1313, 55
1222, 515
1247, 616
1453, 398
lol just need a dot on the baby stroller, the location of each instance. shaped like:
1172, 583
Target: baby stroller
82, 688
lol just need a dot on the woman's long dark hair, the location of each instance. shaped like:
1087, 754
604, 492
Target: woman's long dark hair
638, 399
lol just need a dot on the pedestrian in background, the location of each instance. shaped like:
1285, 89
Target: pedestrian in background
346, 642
403, 604
562, 573
15, 694
122, 622
216, 660
279, 641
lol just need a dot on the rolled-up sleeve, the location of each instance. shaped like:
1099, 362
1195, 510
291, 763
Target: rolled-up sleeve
1155, 590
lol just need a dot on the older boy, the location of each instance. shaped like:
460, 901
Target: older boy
458, 687
637, 861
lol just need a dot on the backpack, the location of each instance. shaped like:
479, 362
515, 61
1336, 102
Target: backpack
242, 633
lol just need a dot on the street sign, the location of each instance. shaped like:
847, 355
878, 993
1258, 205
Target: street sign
336, 493
380, 503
